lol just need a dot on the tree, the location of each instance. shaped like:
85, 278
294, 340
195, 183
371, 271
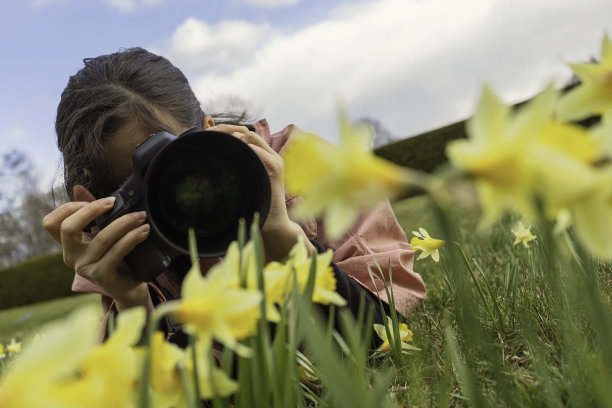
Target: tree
22, 208
381, 135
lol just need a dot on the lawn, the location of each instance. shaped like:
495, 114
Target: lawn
503, 325
19, 322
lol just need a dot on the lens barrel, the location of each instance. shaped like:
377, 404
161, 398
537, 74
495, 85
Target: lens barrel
208, 181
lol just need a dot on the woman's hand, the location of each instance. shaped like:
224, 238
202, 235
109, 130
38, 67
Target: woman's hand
279, 232
97, 258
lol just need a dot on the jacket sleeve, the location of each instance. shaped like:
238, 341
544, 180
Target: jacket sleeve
377, 238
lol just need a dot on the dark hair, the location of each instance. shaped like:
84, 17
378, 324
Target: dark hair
132, 84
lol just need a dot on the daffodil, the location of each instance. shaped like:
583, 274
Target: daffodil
522, 235
275, 280
594, 94
35, 379
113, 365
425, 243
212, 381
325, 280
166, 386
214, 306
338, 182
515, 156
404, 333
2, 353
13, 347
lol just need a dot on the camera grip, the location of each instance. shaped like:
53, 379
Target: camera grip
147, 260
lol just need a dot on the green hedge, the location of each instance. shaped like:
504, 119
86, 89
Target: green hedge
425, 151
35, 280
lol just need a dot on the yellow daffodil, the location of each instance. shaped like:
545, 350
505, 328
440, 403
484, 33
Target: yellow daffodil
515, 156
214, 306
495, 153
339, 181
523, 235
13, 347
404, 333
275, 281
166, 386
425, 243
113, 365
325, 279
211, 380
35, 379
2, 353
594, 94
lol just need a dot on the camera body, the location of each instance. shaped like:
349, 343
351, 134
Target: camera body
201, 180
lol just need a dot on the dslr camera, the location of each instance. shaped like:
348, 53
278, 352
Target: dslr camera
201, 180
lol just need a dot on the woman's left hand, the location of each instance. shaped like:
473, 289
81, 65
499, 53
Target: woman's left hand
279, 232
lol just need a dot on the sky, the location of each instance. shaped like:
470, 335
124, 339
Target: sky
412, 65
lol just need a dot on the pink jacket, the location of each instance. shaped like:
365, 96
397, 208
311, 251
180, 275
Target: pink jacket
375, 235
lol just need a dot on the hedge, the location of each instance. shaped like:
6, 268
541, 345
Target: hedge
35, 280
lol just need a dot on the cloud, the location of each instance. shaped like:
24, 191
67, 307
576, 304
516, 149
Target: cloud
271, 3
413, 65
128, 6
196, 45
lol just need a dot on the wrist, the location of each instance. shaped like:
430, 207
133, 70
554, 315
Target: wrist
138, 296
279, 241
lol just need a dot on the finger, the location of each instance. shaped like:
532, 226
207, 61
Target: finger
113, 257
53, 221
273, 163
81, 193
253, 138
110, 235
71, 227
229, 128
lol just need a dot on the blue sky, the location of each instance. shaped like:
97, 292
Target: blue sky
412, 64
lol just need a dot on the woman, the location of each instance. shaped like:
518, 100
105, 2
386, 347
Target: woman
115, 102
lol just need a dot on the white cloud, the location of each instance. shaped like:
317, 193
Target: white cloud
271, 3
414, 65
128, 6
196, 45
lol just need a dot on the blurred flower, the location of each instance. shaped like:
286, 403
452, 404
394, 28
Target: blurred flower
339, 181
325, 280
33, 380
211, 380
404, 333
13, 347
517, 156
275, 279
2, 353
594, 94
109, 374
214, 306
166, 387
523, 235
428, 245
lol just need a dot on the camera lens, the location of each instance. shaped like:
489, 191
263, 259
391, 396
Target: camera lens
206, 181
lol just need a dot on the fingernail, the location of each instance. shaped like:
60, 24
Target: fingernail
144, 229
140, 215
108, 201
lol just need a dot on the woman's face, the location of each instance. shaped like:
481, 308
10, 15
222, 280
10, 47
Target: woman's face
120, 147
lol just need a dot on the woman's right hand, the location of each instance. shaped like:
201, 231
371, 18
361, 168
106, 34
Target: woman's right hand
97, 258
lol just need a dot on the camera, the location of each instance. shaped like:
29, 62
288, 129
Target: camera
201, 180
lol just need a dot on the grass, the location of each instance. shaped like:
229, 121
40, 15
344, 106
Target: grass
503, 325
22, 321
